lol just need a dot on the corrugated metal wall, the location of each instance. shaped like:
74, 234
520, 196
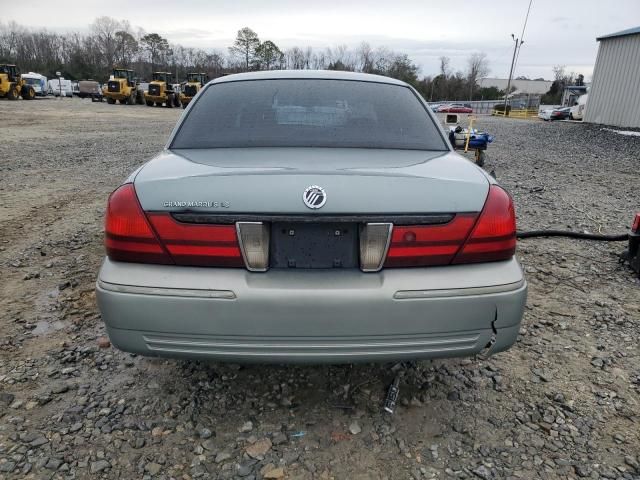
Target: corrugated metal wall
614, 97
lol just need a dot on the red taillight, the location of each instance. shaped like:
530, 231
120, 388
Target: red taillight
635, 228
128, 235
468, 238
132, 236
494, 236
203, 245
424, 245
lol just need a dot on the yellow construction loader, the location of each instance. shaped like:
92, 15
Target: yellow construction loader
12, 85
195, 81
161, 91
122, 87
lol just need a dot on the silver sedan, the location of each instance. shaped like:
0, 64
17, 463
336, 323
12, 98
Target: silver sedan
310, 216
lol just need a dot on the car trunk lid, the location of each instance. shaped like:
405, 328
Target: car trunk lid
273, 180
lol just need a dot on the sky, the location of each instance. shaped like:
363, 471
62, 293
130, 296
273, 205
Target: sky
558, 32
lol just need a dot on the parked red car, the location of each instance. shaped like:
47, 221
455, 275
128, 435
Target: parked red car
455, 108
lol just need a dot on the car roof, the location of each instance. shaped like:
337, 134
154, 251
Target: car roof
308, 74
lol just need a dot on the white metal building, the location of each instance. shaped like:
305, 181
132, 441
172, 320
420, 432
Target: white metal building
614, 97
521, 86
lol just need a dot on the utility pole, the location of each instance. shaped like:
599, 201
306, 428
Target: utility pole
517, 45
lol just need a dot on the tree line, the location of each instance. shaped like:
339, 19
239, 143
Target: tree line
110, 42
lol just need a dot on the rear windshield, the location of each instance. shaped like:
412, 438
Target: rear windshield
308, 113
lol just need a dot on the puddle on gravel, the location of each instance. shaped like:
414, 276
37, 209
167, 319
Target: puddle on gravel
47, 314
44, 326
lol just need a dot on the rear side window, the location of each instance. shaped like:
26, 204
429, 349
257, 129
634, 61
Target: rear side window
308, 113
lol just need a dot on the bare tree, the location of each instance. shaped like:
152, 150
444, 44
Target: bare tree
478, 68
215, 63
366, 58
383, 60
308, 57
558, 72
105, 28
444, 66
9, 36
319, 60
294, 58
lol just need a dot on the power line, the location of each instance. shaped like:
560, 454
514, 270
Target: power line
526, 19
516, 54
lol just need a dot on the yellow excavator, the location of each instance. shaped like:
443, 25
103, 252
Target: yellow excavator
122, 87
161, 91
195, 81
12, 85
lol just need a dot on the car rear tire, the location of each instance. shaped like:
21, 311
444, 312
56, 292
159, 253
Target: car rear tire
111, 101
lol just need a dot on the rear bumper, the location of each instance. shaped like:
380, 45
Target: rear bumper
315, 317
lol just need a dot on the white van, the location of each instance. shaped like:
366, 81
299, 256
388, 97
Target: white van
38, 82
60, 87
577, 111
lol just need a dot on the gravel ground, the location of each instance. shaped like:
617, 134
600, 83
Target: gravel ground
564, 402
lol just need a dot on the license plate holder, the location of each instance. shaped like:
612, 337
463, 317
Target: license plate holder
314, 245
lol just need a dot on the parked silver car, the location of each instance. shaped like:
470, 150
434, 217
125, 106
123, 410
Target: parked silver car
310, 216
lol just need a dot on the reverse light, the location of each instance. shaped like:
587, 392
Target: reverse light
128, 235
254, 244
374, 242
